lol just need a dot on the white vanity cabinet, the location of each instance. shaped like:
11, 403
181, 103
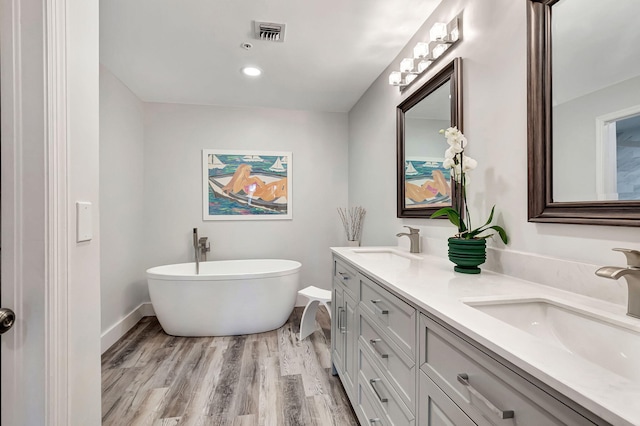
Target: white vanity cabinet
488, 392
401, 365
344, 330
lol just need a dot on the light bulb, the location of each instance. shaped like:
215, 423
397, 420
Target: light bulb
406, 65
251, 71
395, 78
421, 50
438, 32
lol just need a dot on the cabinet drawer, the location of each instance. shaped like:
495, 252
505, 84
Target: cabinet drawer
394, 363
394, 316
367, 413
485, 388
436, 408
386, 400
347, 276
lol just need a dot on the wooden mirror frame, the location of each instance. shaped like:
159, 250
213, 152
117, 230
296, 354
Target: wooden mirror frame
453, 73
541, 206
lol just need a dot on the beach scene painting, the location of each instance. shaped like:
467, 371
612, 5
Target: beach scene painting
427, 183
246, 185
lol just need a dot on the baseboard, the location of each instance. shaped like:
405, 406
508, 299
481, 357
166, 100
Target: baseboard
119, 329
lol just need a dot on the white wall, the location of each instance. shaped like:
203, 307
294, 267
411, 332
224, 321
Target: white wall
83, 303
122, 221
174, 138
495, 123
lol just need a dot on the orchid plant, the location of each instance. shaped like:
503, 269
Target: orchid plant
460, 165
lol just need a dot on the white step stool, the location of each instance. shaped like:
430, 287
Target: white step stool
316, 296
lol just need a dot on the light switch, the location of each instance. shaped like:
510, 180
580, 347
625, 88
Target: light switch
84, 222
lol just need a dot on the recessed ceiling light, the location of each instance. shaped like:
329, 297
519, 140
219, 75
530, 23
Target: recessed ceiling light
251, 71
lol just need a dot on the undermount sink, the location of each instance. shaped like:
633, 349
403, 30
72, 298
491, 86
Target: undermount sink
600, 337
385, 254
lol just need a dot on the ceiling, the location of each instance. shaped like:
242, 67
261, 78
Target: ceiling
190, 51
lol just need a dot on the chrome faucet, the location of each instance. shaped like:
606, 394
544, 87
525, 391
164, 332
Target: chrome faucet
204, 246
631, 274
414, 238
196, 249
201, 247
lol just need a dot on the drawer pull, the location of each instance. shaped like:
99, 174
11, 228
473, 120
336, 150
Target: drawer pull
344, 276
373, 386
373, 343
377, 308
503, 414
376, 420
341, 321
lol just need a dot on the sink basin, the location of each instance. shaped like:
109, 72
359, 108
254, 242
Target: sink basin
384, 254
606, 339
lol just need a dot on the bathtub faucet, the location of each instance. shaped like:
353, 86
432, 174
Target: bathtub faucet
195, 249
200, 247
204, 247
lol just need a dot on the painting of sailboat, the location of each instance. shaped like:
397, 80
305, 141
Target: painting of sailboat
410, 170
277, 166
252, 158
427, 183
240, 185
215, 163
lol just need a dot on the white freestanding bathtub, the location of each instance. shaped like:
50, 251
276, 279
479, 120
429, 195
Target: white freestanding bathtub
228, 297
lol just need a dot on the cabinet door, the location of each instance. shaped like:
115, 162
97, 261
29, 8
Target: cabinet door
350, 342
436, 408
337, 328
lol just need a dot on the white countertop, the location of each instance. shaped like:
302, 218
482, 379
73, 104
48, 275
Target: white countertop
433, 286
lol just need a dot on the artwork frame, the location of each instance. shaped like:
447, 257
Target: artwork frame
246, 185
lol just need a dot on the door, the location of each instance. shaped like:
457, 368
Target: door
23, 181
50, 359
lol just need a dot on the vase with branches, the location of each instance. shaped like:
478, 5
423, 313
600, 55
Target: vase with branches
352, 220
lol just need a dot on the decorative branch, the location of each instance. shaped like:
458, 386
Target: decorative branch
352, 220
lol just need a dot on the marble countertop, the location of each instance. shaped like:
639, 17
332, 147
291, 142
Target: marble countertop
431, 285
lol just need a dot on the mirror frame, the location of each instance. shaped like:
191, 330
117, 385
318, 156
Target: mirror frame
541, 207
451, 72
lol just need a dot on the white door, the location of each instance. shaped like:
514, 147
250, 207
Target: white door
50, 359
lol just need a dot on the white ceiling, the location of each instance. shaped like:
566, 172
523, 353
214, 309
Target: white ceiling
189, 51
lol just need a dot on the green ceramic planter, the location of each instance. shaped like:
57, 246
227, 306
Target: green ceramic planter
467, 255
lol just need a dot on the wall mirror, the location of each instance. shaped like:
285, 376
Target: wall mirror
424, 186
584, 112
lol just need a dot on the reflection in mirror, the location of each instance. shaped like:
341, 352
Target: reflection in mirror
424, 186
596, 101
427, 183
584, 112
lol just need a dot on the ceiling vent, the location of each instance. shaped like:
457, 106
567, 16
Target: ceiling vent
269, 31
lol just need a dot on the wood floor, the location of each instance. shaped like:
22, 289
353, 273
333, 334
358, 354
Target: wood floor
150, 378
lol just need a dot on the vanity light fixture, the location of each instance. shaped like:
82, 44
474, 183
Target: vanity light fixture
442, 36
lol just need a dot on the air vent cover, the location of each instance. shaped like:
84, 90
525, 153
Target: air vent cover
269, 31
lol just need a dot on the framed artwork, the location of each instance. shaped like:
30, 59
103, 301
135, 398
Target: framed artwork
427, 183
246, 185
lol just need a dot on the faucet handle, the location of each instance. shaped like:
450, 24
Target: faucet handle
633, 256
412, 230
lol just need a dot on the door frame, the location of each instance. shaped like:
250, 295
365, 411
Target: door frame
34, 101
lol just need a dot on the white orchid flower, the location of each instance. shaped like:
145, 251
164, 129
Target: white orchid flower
468, 163
449, 153
457, 148
448, 163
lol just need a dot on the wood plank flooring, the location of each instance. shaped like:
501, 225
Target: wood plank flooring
150, 378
